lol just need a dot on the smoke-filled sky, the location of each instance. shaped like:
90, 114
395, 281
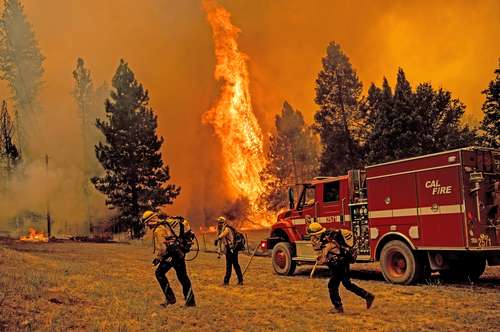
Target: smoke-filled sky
168, 44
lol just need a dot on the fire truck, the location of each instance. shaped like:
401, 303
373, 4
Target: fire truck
437, 212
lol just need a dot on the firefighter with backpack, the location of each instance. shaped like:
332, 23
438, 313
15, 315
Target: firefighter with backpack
233, 242
172, 238
337, 249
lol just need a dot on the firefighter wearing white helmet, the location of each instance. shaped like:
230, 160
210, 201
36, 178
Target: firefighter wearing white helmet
337, 250
169, 251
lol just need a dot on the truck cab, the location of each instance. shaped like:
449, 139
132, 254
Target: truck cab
325, 200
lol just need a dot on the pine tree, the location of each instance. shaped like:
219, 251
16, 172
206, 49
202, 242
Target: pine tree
490, 125
407, 123
21, 66
378, 147
9, 154
441, 114
338, 93
88, 101
135, 177
292, 157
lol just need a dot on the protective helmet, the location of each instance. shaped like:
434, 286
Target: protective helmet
221, 219
315, 228
148, 215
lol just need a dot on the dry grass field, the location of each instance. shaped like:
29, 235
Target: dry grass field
111, 287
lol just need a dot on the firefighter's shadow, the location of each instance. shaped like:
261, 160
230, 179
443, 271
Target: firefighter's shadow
324, 272
486, 281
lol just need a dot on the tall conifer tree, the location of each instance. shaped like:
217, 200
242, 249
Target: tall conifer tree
491, 109
21, 66
338, 93
135, 177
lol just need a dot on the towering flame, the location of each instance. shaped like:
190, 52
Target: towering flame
232, 116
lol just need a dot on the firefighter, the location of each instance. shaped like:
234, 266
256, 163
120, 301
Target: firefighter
332, 244
169, 252
227, 237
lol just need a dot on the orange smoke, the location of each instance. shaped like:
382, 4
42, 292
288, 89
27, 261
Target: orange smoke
232, 117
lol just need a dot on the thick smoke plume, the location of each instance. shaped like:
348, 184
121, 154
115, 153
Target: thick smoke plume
169, 44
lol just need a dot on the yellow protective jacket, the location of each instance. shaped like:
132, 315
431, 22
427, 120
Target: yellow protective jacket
163, 236
227, 236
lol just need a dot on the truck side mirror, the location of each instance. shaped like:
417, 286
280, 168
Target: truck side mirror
291, 199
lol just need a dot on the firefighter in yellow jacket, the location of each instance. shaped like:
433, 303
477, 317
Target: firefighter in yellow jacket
169, 251
227, 237
332, 246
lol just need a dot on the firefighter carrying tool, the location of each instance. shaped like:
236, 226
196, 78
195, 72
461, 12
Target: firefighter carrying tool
170, 247
335, 247
228, 237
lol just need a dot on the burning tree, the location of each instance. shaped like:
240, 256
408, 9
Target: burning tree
20, 65
135, 177
232, 116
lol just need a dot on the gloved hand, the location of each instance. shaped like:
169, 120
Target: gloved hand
156, 261
216, 242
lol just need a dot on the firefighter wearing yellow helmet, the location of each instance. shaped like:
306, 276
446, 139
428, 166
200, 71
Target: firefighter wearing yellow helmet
228, 236
169, 251
336, 249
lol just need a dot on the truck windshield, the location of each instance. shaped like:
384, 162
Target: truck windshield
307, 197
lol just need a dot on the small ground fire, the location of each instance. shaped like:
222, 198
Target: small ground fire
34, 236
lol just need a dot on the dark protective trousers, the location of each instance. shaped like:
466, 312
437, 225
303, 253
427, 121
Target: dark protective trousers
179, 264
341, 274
232, 260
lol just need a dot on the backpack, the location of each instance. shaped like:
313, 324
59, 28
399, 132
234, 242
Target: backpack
239, 242
184, 239
348, 248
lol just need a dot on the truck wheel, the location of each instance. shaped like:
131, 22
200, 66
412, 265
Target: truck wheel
282, 259
475, 268
398, 263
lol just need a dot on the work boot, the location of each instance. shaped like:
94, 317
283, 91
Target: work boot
191, 303
337, 310
369, 300
166, 304
240, 283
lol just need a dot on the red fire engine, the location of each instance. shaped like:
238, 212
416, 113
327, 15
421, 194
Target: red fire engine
438, 212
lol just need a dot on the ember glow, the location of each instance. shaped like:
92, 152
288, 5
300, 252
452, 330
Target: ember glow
34, 236
232, 117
